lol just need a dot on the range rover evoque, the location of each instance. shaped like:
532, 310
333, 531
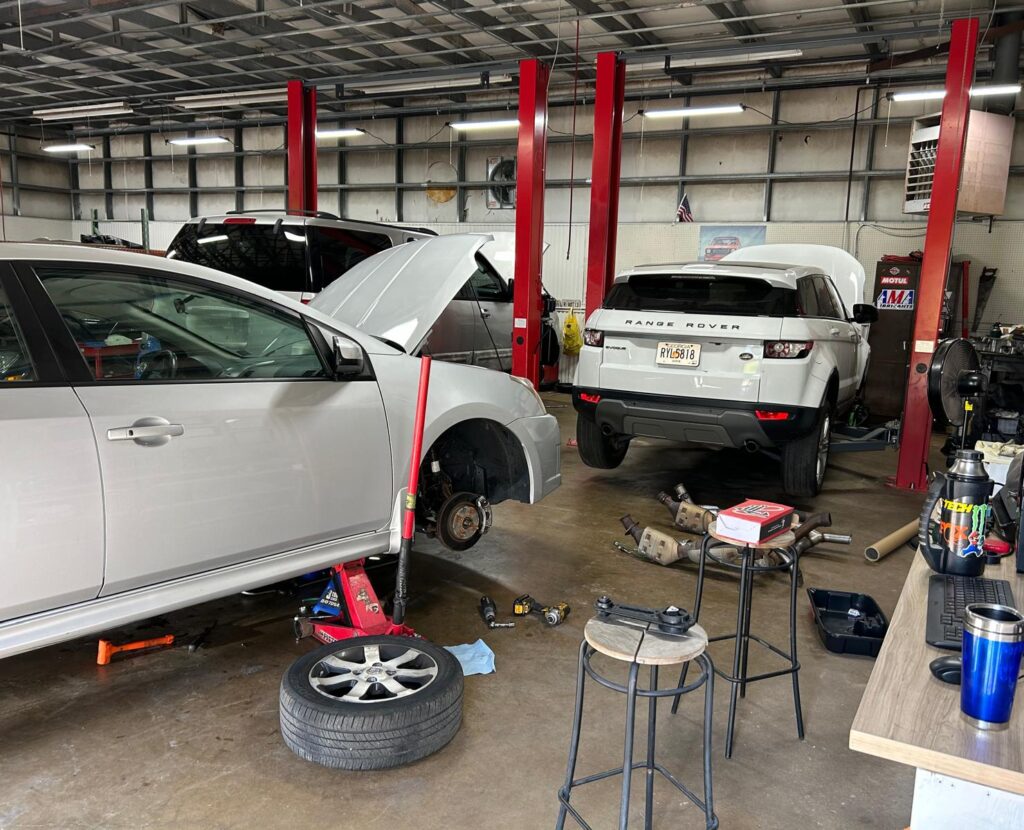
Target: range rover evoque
762, 349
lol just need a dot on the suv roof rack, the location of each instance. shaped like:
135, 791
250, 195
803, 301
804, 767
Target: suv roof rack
318, 214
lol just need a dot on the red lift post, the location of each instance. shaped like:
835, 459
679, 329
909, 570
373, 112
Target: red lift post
530, 169
301, 147
916, 430
604, 177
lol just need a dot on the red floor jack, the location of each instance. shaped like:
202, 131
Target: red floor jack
349, 606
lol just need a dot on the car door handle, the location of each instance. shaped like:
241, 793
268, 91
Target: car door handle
834, 332
147, 432
485, 313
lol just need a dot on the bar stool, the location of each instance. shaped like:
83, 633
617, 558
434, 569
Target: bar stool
784, 547
640, 645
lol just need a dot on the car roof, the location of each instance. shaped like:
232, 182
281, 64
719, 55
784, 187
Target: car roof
323, 218
774, 272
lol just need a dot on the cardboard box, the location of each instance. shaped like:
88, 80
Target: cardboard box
754, 521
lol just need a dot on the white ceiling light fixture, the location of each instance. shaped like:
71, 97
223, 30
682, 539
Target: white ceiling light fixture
68, 148
690, 112
496, 124
82, 112
918, 95
995, 89
743, 57
197, 140
440, 84
938, 94
347, 132
230, 99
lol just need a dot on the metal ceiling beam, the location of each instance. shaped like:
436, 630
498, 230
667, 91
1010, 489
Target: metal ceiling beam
617, 26
862, 22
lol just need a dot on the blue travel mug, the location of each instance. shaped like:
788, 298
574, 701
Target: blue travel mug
992, 648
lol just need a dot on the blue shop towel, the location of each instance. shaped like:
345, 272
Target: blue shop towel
475, 658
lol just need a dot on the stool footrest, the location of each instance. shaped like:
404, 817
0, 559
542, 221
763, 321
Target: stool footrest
563, 795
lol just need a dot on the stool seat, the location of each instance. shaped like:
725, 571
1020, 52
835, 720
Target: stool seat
642, 644
782, 541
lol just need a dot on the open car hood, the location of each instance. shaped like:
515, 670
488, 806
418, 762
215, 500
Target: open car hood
399, 293
846, 272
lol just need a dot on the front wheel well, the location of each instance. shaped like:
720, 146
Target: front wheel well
478, 456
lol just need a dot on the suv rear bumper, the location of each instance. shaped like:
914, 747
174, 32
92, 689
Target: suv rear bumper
693, 420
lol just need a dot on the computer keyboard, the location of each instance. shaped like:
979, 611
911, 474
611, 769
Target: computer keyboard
949, 595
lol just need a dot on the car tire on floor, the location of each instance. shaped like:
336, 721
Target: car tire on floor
371, 703
605, 452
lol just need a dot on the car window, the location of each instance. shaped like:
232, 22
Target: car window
807, 297
338, 249
485, 284
146, 327
273, 256
707, 293
826, 305
15, 362
837, 299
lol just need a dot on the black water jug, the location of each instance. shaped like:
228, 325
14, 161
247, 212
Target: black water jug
951, 536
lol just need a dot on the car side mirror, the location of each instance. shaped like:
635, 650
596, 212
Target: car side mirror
865, 313
346, 356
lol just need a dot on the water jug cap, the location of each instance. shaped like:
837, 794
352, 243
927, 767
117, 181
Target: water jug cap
970, 455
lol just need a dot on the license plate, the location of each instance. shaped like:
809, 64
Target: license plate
678, 354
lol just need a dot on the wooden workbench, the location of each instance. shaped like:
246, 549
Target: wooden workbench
908, 716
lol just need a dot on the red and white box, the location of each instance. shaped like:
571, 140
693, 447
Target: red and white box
754, 521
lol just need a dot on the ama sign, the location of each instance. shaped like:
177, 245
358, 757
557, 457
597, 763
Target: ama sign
896, 299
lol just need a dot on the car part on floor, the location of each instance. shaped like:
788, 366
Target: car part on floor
371, 702
656, 546
693, 518
107, 649
462, 520
489, 614
551, 614
895, 540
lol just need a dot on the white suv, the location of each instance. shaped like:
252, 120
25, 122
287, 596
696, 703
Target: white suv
759, 350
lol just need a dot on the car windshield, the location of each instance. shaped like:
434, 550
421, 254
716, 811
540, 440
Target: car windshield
706, 293
273, 258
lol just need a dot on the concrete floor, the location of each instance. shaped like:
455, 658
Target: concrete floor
173, 739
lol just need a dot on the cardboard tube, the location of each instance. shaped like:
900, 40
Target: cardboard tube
887, 544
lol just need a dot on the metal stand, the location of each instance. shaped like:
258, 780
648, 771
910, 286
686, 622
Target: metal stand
739, 678
651, 766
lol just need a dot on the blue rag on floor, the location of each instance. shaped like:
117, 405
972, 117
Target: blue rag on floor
475, 658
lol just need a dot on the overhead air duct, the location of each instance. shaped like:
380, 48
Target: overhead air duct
1005, 68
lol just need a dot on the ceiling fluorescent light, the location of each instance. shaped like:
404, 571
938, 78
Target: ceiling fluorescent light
230, 99
995, 89
440, 84
197, 140
85, 111
497, 124
742, 57
348, 132
206, 240
689, 112
919, 95
67, 148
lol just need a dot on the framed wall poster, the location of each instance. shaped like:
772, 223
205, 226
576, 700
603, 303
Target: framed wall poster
718, 240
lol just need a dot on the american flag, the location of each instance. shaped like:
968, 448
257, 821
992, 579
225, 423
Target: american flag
683, 212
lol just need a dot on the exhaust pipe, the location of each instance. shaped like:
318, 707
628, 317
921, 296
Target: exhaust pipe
656, 546
751, 446
606, 430
686, 515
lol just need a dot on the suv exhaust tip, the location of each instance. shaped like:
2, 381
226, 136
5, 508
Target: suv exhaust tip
751, 446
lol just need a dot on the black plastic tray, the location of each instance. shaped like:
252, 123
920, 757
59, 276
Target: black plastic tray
845, 634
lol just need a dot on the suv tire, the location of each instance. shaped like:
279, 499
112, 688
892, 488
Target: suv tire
605, 452
377, 732
805, 460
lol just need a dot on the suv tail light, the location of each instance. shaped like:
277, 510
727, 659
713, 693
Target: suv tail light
771, 415
593, 337
787, 349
